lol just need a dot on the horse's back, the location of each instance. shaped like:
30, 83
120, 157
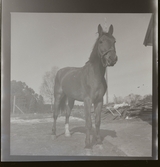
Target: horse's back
68, 81
64, 71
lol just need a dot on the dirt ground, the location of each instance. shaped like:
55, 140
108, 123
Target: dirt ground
31, 135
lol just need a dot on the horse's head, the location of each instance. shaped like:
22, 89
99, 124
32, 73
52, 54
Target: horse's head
106, 47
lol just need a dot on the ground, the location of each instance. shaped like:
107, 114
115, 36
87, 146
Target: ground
31, 134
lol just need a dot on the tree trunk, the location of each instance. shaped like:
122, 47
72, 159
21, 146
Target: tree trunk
51, 104
14, 102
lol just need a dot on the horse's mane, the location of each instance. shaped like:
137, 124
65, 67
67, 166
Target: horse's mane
93, 56
94, 52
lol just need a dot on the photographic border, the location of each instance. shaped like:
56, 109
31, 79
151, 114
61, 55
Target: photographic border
69, 6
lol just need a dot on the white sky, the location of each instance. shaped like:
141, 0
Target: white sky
40, 41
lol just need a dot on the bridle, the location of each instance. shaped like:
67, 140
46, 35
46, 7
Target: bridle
102, 56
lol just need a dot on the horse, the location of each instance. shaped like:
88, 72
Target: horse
86, 84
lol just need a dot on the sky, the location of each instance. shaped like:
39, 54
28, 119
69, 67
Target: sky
40, 41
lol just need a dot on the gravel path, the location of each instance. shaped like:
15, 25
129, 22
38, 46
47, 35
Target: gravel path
120, 138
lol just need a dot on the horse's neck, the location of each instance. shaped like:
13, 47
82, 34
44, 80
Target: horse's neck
98, 68
96, 64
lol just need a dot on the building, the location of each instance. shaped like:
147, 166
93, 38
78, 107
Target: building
148, 41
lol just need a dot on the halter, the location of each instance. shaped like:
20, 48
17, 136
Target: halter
109, 50
104, 55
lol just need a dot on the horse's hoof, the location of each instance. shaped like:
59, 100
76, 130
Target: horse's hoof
53, 137
99, 146
67, 134
88, 152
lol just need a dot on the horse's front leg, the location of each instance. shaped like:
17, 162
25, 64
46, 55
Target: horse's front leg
98, 108
68, 112
87, 107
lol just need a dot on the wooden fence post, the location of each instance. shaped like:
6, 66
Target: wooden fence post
14, 102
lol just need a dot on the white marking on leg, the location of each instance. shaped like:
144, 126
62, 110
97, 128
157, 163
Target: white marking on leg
67, 132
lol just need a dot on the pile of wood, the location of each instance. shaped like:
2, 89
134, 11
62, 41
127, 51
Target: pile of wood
146, 106
141, 108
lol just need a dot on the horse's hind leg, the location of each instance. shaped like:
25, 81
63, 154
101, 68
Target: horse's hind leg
87, 108
56, 111
68, 112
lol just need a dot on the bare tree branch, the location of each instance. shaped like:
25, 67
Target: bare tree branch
47, 87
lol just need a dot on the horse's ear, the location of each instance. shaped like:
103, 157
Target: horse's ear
100, 30
110, 29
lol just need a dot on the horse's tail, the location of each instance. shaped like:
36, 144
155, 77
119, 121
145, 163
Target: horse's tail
57, 91
62, 105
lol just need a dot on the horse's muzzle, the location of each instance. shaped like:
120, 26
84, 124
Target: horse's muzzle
113, 62
109, 59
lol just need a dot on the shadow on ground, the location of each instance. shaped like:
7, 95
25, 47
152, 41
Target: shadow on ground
146, 117
103, 133
82, 130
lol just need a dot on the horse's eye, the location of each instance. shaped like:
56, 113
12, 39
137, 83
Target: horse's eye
100, 41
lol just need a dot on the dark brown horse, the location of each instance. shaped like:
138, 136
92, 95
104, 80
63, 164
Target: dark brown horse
86, 84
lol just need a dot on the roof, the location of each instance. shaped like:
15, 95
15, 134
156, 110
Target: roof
148, 41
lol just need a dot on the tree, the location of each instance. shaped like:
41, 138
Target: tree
25, 98
39, 103
17, 92
29, 96
47, 87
